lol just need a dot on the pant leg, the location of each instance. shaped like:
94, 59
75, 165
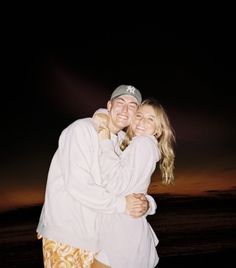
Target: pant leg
57, 255
98, 264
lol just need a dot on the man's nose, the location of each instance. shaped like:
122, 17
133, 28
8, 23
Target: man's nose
125, 108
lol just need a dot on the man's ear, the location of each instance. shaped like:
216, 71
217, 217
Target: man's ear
108, 106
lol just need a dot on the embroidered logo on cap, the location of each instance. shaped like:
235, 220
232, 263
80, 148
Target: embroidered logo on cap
131, 89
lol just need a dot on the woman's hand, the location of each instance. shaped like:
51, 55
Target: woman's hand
102, 121
103, 132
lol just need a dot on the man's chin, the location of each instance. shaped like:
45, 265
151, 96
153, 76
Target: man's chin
122, 125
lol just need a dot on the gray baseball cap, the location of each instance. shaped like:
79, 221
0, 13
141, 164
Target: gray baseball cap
127, 90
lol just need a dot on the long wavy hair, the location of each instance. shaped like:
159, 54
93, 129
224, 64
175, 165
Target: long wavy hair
165, 137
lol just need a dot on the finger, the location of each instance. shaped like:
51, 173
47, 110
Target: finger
139, 195
143, 198
136, 214
136, 211
141, 203
136, 208
136, 204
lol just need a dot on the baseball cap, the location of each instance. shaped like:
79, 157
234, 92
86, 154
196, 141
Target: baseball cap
127, 90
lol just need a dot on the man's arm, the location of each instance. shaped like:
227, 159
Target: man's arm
78, 151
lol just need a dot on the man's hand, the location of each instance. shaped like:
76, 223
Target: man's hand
136, 205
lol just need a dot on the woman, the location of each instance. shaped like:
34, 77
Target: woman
126, 241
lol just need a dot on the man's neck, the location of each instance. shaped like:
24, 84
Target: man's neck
113, 130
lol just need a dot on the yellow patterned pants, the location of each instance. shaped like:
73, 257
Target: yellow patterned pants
59, 255
98, 264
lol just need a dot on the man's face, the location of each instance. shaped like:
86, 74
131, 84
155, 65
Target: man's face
121, 110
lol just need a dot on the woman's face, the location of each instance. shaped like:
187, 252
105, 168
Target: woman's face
144, 122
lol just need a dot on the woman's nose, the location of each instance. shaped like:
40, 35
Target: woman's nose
142, 120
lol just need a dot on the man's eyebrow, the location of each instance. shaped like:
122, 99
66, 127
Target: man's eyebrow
119, 98
134, 103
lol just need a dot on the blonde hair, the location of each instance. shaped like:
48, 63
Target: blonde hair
165, 137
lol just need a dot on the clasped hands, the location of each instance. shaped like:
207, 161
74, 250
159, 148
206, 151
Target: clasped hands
136, 205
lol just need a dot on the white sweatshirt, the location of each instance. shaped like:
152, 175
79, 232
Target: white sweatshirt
74, 196
128, 242
131, 171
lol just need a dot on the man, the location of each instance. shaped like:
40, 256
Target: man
74, 198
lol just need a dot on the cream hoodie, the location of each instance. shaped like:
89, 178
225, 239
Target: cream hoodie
74, 197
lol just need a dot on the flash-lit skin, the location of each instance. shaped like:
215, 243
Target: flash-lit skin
122, 111
144, 122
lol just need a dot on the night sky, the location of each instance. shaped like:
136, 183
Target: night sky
51, 80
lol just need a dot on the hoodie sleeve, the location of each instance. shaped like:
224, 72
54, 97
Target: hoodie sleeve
77, 147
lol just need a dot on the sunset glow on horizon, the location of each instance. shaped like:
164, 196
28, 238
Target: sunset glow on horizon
190, 183
195, 183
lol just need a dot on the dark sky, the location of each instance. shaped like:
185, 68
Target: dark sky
52, 79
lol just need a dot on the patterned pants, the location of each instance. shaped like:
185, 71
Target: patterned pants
58, 255
98, 264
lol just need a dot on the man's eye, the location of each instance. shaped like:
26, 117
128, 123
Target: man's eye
133, 106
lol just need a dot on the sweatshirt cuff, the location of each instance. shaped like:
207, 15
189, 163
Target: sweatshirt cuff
152, 205
121, 204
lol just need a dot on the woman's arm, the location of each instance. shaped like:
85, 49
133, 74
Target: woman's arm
131, 172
